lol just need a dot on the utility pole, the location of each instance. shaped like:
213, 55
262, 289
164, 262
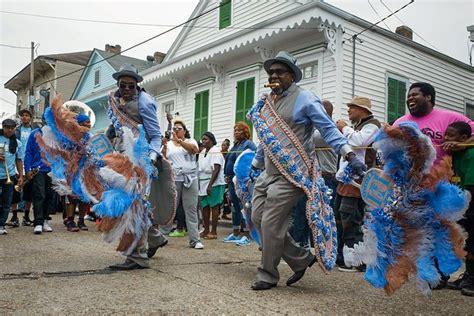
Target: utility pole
31, 99
470, 45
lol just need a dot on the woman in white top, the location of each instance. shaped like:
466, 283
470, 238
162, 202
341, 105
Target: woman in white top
211, 183
181, 151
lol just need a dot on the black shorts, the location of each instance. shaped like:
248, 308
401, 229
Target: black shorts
26, 195
28, 192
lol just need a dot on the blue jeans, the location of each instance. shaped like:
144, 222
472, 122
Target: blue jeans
6, 201
331, 182
299, 229
237, 220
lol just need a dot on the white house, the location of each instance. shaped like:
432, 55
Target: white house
213, 72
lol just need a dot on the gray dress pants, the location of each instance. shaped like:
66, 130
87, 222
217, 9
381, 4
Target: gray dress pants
273, 201
189, 198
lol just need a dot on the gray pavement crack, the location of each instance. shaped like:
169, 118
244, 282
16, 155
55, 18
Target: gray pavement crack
38, 275
62, 274
74, 273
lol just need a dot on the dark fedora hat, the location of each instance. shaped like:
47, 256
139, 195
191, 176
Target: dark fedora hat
128, 70
287, 59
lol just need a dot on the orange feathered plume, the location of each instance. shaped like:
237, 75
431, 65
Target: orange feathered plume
442, 171
120, 164
63, 118
92, 182
456, 236
398, 274
416, 151
125, 242
107, 224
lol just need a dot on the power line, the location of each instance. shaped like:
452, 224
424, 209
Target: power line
82, 20
378, 15
5, 100
136, 45
400, 20
153, 25
11, 46
374, 24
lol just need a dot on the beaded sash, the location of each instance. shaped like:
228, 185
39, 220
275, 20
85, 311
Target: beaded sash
287, 153
120, 119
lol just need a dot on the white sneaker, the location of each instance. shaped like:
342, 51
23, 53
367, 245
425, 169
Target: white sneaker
46, 227
3, 231
198, 245
345, 268
38, 229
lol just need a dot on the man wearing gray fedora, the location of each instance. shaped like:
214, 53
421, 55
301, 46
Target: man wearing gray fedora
349, 208
297, 112
137, 107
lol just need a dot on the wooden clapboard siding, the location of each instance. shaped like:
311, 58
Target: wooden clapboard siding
329, 81
243, 14
222, 112
379, 56
87, 86
67, 84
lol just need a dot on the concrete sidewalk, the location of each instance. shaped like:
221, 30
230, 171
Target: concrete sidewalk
64, 273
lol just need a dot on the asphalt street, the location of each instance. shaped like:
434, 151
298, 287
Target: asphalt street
65, 273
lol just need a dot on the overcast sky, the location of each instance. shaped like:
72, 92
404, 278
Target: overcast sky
440, 23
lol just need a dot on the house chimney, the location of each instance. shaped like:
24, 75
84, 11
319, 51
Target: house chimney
405, 31
158, 56
115, 49
470, 29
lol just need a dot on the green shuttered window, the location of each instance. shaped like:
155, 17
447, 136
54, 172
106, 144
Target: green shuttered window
245, 99
201, 114
396, 99
225, 14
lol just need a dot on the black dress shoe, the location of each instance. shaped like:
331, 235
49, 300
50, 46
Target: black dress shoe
127, 265
299, 274
152, 250
262, 285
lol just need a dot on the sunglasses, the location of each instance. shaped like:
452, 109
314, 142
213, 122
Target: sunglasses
278, 72
177, 128
130, 86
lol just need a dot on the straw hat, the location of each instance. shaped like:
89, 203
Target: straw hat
361, 102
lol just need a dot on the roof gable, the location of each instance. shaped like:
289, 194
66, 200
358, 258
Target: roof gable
79, 58
203, 33
23, 76
86, 84
245, 16
186, 29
